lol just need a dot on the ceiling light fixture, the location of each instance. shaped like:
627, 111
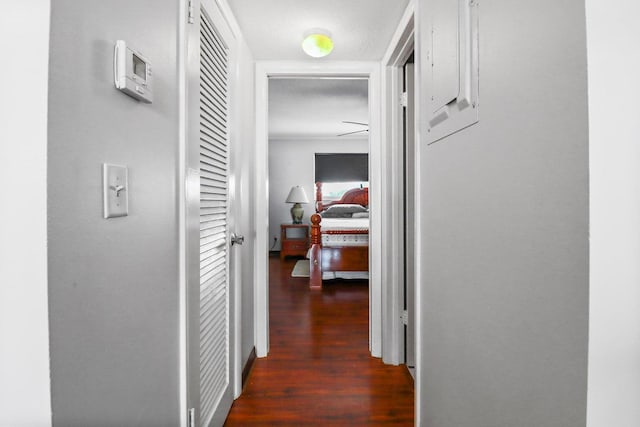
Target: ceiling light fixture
317, 43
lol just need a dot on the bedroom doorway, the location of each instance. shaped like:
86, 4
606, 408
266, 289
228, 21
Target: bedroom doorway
265, 235
313, 139
319, 163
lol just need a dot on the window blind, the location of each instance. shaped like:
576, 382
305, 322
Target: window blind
341, 167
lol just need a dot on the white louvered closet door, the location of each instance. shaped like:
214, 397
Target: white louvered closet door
214, 207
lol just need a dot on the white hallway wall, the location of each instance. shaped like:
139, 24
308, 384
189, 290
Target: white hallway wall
504, 220
113, 283
292, 162
614, 135
24, 333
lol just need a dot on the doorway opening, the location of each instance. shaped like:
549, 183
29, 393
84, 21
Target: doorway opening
319, 164
269, 231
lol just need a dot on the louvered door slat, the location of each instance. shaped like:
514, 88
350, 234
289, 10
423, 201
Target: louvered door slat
214, 175
210, 378
218, 56
212, 101
209, 113
209, 326
214, 68
213, 185
211, 143
209, 228
213, 152
208, 192
212, 129
214, 65
213, 200
215, 43
214, 40
212, 123
208, 155
214, 166
214, 180
213, 214
212, 72
214, 296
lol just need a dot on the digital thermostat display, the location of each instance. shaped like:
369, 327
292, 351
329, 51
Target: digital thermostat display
139, 67
132, 72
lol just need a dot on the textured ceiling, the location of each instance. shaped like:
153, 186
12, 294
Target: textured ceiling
361, 29
307, 107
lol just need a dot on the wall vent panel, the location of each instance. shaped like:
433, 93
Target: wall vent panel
450, 69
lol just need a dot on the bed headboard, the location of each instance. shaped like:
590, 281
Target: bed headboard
358, 196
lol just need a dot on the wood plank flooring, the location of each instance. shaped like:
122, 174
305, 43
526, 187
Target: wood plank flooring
319, 370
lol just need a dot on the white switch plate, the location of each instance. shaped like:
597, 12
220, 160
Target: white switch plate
115, 191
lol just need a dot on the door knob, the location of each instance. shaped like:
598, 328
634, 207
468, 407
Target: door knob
236, 239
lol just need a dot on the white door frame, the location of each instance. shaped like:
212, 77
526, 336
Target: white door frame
370, 70
400, 48
405, 40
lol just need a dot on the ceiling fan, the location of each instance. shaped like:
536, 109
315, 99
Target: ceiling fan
357, 131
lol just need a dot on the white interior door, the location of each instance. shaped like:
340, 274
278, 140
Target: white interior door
209, 311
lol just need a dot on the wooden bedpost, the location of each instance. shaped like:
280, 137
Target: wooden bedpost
319, 197
315, 254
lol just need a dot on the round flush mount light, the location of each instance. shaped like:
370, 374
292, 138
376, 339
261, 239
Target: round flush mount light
317, 43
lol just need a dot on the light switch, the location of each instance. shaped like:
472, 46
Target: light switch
115, 191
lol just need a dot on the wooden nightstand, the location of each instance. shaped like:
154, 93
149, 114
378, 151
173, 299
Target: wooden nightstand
294, 239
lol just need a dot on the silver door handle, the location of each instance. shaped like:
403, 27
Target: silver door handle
236, 239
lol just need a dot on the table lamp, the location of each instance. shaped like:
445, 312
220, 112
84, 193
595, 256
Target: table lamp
297, 196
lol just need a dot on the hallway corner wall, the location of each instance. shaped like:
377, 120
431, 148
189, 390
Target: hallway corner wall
25, 398
504, 209
614, 160
113, 283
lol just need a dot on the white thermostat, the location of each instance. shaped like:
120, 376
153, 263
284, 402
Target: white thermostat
132, 73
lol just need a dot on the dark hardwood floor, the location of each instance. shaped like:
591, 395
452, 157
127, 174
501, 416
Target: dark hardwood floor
319, 370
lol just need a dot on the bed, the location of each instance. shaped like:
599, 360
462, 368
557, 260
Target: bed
339, 238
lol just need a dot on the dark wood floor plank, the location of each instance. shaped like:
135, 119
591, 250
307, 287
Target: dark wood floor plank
319, 370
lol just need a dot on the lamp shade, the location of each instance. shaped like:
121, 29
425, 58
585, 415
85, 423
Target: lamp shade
297, 195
